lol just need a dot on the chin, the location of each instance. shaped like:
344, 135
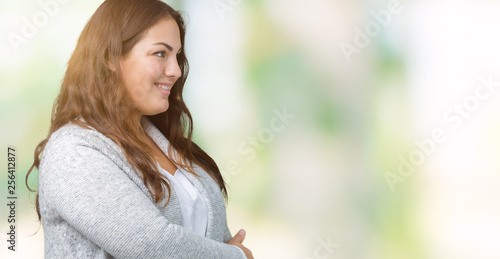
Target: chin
161, 110
154, 112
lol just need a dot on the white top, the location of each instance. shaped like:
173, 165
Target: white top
193, 205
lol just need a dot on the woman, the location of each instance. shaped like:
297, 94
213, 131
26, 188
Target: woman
117, 176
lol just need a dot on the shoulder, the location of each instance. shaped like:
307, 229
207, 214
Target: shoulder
73, 143
72, 137
76, 156
73, 134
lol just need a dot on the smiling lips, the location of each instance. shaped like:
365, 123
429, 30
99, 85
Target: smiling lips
165, 87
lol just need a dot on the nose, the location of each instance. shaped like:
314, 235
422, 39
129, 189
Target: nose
172, 70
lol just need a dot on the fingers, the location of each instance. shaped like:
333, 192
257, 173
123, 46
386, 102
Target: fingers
237, 240
239, 237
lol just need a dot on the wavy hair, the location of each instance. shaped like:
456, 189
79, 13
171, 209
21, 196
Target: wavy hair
94, 92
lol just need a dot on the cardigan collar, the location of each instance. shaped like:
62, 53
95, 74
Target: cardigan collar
163, 143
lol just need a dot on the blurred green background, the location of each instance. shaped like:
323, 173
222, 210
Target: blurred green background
354, 170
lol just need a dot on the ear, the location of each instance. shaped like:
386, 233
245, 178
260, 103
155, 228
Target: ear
109, 62
111, 66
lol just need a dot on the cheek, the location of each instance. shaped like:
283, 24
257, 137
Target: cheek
138, 93
150, 74
140, 78
154, 71
145, 79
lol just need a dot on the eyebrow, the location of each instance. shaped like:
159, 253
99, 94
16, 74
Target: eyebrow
166, 45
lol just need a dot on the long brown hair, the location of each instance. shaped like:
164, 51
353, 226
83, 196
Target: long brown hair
92, 91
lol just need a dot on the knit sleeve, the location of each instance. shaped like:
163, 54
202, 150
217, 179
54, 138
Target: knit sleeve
94, 196
227, 234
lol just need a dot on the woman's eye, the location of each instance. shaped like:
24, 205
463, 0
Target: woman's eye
160, 54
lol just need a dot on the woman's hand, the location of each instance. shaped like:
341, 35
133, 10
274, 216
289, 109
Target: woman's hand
237, 240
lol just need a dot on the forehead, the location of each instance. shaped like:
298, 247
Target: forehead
165, 30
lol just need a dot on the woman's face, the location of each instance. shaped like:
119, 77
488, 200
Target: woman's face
150, 69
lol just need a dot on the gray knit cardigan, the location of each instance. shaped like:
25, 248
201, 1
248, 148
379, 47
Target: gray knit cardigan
94, 205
